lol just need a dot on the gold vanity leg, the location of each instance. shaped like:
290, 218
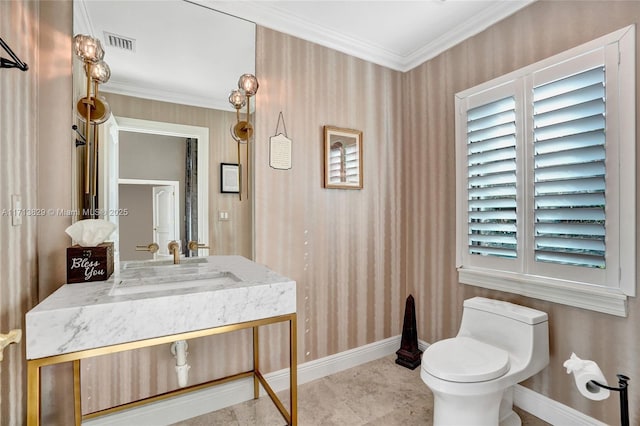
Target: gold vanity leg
77, 403
33, 394
256, 363
293, 369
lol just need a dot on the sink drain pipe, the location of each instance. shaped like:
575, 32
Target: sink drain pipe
179, 351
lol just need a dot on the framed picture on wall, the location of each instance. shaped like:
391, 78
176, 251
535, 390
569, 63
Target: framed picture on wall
229, 178
342, 158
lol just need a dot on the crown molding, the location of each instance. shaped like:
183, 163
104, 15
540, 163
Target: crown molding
476, 25
274, 17
278, 19
81, 21
137, 91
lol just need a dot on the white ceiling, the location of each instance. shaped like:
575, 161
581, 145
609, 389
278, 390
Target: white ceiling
396, 34
188, 53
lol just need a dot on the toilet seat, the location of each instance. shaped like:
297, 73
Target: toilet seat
465, 360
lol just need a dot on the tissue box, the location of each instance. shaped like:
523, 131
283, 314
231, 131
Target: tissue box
85, 264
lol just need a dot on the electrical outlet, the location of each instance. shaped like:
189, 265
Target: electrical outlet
222, 215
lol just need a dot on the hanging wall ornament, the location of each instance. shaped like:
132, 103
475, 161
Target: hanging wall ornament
280, 148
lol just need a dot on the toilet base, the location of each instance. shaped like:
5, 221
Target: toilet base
511, 420
507, 416
472, 410
493, 409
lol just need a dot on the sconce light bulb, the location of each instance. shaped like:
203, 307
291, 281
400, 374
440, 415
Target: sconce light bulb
237, 98
100, 72
248, 83
88, 48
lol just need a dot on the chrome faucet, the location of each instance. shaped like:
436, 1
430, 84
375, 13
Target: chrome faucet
174, 248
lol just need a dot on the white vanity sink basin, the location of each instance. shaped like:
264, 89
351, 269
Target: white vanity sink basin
136, 264
171, 277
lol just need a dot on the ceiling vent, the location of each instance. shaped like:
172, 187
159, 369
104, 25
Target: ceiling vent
120, 42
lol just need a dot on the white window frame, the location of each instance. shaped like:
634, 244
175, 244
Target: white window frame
603, 291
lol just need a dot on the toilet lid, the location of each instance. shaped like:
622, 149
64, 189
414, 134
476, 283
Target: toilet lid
466, 360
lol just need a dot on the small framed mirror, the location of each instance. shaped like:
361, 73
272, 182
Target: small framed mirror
342, 158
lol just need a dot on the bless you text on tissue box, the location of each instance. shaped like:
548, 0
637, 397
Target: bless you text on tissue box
92, 258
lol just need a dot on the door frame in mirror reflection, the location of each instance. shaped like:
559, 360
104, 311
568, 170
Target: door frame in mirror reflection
109, 173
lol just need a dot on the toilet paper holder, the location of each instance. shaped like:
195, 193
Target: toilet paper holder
624, 397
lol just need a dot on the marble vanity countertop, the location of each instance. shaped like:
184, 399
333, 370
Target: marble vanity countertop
85, 316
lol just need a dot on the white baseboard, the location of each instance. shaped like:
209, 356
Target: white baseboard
217, 397
549, 410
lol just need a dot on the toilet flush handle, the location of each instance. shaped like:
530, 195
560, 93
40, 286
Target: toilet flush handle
14, 336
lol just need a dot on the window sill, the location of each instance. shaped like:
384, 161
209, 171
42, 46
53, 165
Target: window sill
609, 301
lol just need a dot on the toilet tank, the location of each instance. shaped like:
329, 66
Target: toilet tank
514, 328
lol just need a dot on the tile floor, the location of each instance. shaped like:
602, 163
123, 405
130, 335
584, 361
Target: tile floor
379, 393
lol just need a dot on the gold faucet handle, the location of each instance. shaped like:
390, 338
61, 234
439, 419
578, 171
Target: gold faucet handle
14, 336
194, 245
153, 247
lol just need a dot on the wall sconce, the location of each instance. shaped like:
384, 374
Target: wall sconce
93, 109
243, 130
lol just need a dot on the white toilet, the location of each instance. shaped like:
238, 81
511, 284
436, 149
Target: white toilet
472, 375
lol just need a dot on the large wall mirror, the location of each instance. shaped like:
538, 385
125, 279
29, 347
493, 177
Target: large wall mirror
173, 64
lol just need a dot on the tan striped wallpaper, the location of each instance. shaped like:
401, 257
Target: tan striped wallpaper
536, 32
343, 247
18, 136
356, 254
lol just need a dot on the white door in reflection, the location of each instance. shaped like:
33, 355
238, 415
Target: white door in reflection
152, 215
165, 214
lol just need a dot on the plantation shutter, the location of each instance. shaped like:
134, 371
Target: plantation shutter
344, 163
491, 179
569, 161
352, 163
336, 167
